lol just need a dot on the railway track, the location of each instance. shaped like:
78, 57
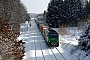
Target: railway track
52, 50
41, 48
60, 53
45, 45
59, 56
53, 53
35, 47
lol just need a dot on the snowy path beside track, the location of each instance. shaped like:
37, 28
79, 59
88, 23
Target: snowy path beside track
36, 47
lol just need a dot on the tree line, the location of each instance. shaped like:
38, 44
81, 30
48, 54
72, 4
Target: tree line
12, 14
66, 12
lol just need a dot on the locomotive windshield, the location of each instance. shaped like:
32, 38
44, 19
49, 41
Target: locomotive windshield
53, 35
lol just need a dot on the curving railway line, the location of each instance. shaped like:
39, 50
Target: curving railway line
60, 53
53, 53
37, 49
50, 51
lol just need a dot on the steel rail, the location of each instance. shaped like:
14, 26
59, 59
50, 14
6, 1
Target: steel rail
41, 48
60, 53
53, 53
35, 47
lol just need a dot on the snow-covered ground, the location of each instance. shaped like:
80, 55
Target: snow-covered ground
37, 49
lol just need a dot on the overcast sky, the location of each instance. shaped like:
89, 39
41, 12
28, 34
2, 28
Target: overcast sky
36, 6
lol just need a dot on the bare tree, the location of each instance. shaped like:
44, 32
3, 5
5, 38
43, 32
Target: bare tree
12, 14
15, 11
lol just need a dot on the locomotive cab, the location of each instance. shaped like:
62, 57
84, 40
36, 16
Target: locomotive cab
53, 38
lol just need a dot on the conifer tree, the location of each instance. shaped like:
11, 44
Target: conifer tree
84, 41
64, 12
52, 14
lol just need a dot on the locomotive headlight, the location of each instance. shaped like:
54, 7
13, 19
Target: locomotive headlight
57, 41
48, 41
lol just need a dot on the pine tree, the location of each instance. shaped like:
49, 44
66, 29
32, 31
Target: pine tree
87, 7
53, 14
71, 12
64, 12
84, 41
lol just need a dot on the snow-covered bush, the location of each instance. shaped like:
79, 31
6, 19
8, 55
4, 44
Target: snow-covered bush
84, 41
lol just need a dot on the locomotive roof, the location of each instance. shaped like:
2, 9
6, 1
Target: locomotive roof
52, 31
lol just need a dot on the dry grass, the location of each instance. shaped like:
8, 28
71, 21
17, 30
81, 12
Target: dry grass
62, 30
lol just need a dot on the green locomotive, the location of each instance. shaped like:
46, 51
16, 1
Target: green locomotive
51, 37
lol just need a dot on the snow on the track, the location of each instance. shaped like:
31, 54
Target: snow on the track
37, 49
